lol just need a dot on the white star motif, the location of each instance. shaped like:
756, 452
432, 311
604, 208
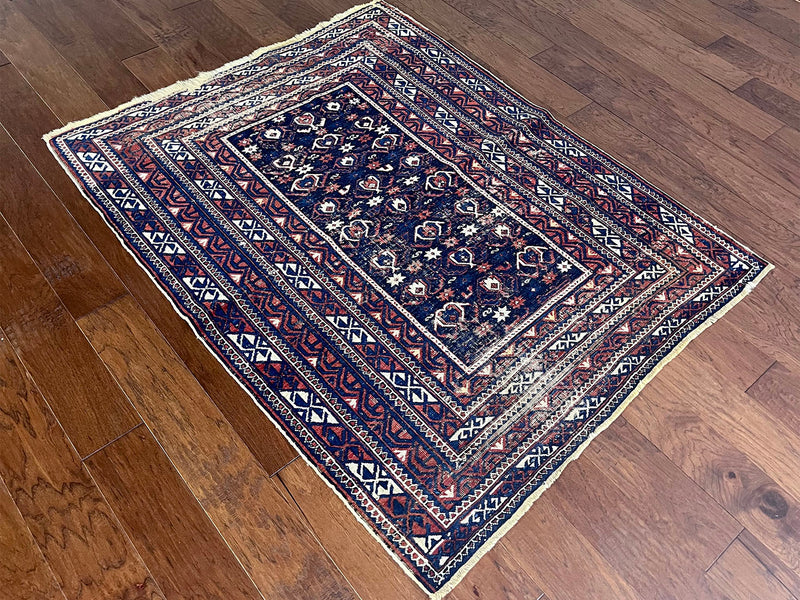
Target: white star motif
469, 230
564, 266
375, 200
411, 180
433, 254
334, 225
501, 314
396, 279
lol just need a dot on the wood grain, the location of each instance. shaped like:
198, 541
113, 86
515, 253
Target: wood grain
23, 570
72, 524
739, 575
167, 525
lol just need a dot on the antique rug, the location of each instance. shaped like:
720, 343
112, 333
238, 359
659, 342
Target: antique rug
437, 292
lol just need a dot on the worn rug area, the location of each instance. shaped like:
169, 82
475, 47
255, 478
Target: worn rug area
435, 290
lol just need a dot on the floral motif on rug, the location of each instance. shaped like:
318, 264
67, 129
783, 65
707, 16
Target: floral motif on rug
435, 290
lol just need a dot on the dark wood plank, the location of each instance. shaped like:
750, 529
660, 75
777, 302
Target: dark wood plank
69, 261
709, 93
89, 405
156, 69
778, 390
27, 119
170, 31
366, 565
70, 520
733, 172
218, 31
92, 58
772, 101
504, 25
641, 26
49, 73
709, 14
756, 64
517, 70
765, 18
63, 23
257, 19
790, 578
180, 545
23, 570
267, 535
301, 15
739, 575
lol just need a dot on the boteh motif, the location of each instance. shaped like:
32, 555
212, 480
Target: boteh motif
435, 290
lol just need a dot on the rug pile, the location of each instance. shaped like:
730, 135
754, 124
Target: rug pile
434, 289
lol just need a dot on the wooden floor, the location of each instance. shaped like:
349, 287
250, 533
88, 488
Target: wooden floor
133, 466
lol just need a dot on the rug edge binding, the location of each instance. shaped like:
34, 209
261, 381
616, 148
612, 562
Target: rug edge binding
491, 542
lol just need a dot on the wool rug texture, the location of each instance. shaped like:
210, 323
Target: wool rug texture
437, 292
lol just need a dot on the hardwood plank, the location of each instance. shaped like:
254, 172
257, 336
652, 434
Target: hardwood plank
640, 25
696, 85
505, 61
790, 578
733, 172
93, 59
765, 18
756, 64
692, 187
787, 141
503, 25
618, 503
27, 123
267, 535
179, 543
366, 565
709, 14
217, 31
719, 468
89, 405
497, 575
739, 575
63, 23
778, 390
69, 261
548, 544
301, 15
170, 31
67, 515
771, 101
256, 18
3, 60
679, 21
53, 78
23, 570
156, 69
